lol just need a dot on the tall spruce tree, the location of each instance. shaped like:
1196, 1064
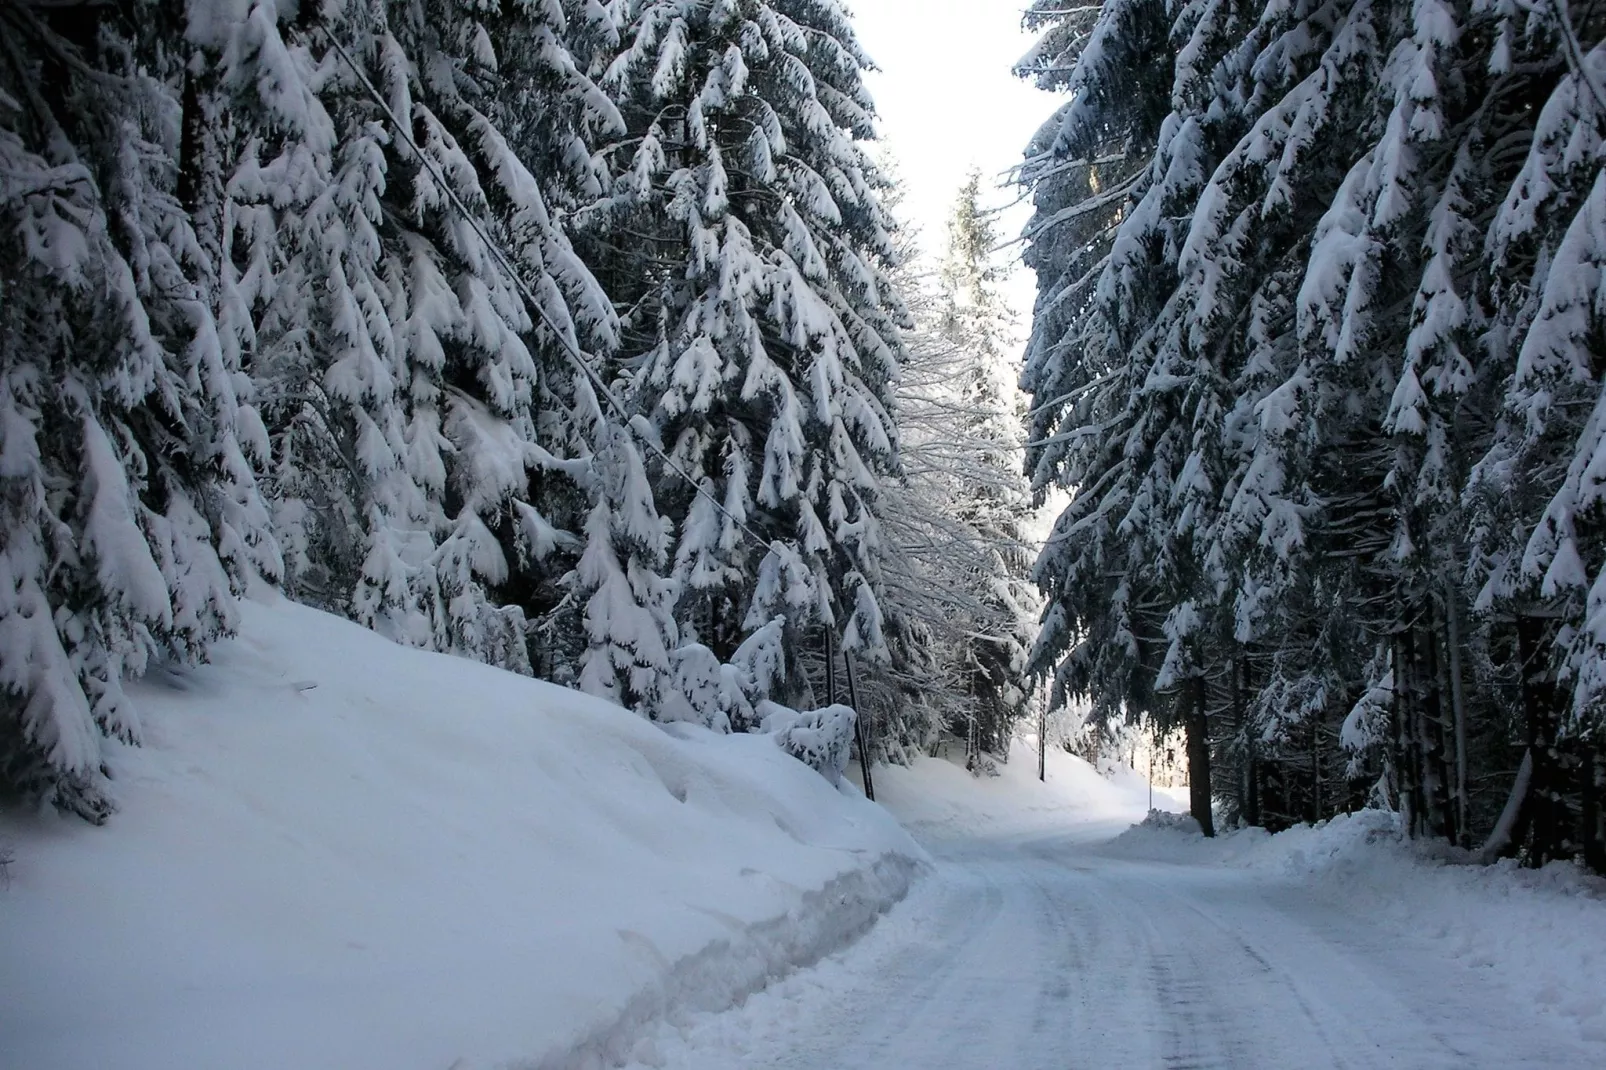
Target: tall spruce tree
129, 514
989, 496
743, 240
426, 417
1109, 570
1537, 545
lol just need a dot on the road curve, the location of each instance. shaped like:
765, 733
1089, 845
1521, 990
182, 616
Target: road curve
1044, 954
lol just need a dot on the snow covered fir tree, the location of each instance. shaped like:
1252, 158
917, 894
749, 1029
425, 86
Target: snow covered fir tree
130, 446
761, 333
1315, 356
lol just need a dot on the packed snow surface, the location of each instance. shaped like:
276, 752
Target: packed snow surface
334, 852
1041, 943
1541, 933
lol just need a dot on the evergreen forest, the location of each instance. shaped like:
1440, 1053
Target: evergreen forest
585, 339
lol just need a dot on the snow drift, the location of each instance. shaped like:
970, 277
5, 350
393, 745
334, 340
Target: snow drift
337, 852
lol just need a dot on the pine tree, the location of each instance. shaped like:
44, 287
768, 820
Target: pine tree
959, 610
425, 416
129, 511
991, 500
1536, 539
743, 237
1324, 387
629, 630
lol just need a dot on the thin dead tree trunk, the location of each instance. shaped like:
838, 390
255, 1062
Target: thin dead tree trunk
1512, 826
861, 735
830, 668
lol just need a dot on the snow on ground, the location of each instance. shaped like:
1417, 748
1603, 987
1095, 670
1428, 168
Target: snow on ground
1039, 942
1541, 933
937, 799
335, 852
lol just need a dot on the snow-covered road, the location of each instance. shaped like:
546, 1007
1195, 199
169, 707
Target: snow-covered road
1045, 952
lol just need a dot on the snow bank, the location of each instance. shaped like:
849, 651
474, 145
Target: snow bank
939, 799
336, 852
1541, 932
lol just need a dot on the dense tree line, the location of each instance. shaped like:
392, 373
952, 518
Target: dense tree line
1316, 353
558, 334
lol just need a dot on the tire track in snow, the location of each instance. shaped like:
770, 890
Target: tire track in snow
1047, 956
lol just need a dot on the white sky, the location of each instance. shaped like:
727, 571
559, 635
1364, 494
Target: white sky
949, 102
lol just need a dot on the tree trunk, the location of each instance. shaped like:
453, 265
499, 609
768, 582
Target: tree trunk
861, 734
1198, 732
1409, 752
1249, 805
1458, 709
1593, 787
1042, 741
1545, 811
830, 669
1434, 735
1513, 824
1256, 815
1316, 768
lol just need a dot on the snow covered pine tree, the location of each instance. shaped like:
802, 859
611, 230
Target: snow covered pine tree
991, 498
411, 403
129, 516
1348, 405
743, 236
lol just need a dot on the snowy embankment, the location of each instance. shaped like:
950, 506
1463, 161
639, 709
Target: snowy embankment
336, 852
938, 799
1541, 933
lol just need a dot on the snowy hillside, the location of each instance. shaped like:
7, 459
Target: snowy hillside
336, 852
